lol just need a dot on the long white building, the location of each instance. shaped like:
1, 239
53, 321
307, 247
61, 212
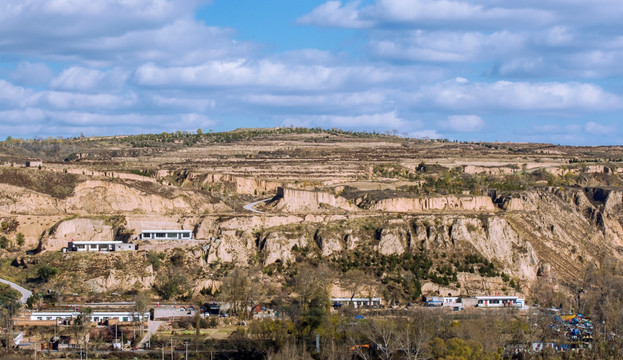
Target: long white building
356, 301
499, 302
166, 235
96, 316
100, 246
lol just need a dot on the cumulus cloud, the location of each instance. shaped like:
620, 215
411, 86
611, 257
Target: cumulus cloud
595, 128
463, 123
319, 102
526, 96
241, 72
194, 104
84, 79
333, 13
31, 74
425, 134
19, 97
420, 12
445, 46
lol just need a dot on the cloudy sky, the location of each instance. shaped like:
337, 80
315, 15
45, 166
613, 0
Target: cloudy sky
493, 70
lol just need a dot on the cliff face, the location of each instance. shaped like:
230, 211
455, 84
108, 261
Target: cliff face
551, 232
106, 197
294, 200
78, 230
448, 203
242, 185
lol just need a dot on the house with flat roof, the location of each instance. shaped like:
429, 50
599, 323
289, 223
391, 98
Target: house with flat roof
96, 316
99, 246
356, 302
499, 302
166, 235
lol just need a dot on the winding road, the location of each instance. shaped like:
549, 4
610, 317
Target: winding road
25, 293
251, 205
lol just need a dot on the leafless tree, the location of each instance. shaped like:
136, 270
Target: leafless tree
414, 333
241, 291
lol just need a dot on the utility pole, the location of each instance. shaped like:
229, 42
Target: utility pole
163, 351
186, 343
171, 348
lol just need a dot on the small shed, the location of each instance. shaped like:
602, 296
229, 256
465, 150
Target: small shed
34, 163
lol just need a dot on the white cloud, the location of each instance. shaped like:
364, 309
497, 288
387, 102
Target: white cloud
20, 117
84, 79
28, 73
339, 100
594, 128
420, 12
261, 73
194, 104
332, 13
425, 134
20, 97
446, 46
519, 96
463, 123
68, 100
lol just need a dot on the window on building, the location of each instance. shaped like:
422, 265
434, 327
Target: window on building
161, 235
186, 235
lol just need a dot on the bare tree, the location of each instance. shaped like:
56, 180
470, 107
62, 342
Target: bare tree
376, 338
240, 291
140, 307
413, 335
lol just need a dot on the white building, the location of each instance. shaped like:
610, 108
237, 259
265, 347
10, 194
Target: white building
100, 246
356, 301
96, 316
499, 302
166, 235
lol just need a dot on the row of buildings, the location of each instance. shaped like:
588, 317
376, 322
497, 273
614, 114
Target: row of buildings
110, 246
458, 303
455, 302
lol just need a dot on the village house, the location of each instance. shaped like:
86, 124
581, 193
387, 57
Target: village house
166, 235
356, 302
499, 302
34, 163
99, 246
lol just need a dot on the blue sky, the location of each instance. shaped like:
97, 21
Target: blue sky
492, 70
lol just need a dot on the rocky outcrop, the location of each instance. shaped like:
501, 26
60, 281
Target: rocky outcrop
241, 184
277, 247
394, 241
294, 200
523, 201
451, 203
78, 230
329, 242
18, 200
120, 280
108, 197
97, 197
